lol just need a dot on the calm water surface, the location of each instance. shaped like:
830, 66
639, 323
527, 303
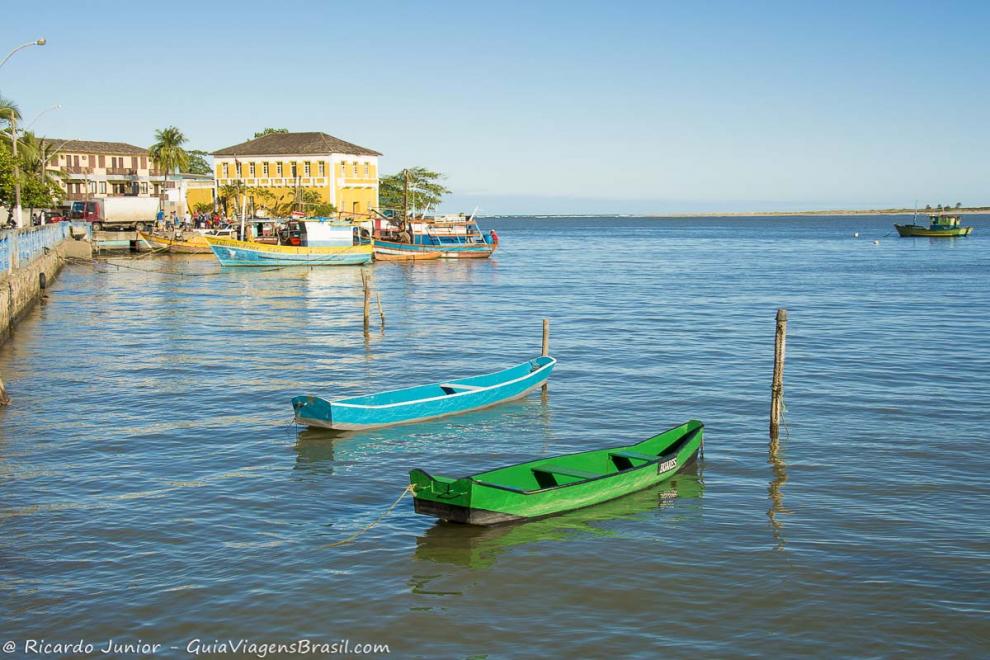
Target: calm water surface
152, 486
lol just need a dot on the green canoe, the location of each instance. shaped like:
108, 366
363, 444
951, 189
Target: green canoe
561, 483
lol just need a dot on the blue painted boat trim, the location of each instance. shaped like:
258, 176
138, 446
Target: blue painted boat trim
404, 247
241, 256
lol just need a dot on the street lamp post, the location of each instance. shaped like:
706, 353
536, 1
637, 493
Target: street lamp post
57, 106
13, 136
37, 42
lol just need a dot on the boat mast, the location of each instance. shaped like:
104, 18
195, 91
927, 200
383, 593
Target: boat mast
405, 198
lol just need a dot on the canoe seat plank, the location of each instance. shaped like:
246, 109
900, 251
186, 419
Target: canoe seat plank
546, 475
493, 485
634, 454
623, 460
458, 386
567, 472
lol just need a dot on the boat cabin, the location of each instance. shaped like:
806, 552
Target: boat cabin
321, 233
263, 231
940, 221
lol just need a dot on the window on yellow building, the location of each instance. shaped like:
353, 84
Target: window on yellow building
355, 167
342, 166
237, 167
323, 168
367, 169
278, 169
295, 169
264, 169
226, 170
306, 168
251, 170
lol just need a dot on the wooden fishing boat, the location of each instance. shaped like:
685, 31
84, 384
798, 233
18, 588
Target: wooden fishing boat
392, 251
940, 225
178, 244
553, 485
312, 243
453, 236
417, 404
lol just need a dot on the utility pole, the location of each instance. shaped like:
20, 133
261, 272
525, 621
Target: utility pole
17, 171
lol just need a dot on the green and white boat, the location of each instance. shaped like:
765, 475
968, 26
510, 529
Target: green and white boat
940, 225
553, 485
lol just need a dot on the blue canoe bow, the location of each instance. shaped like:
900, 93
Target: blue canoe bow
417, 404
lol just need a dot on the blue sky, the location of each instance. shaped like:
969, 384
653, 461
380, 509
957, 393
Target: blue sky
547, 107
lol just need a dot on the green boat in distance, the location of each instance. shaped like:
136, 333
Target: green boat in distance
940, 226
561, 483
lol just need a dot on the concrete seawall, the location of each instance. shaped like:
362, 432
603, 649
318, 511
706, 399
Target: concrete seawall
30, 269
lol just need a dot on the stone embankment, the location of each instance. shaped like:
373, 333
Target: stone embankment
30, 259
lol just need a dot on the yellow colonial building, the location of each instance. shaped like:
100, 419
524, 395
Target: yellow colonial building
276, 169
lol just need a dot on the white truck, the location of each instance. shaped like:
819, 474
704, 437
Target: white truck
116, 212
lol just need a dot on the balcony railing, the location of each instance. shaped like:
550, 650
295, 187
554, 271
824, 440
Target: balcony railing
77, 169
121, 171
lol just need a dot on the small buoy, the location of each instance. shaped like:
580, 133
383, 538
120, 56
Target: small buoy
856, 235
876, 242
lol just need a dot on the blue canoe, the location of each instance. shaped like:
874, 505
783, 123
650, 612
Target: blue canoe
416, 404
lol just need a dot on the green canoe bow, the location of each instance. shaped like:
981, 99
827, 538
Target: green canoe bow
553, 485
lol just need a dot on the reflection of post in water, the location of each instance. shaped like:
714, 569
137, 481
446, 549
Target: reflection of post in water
775, 491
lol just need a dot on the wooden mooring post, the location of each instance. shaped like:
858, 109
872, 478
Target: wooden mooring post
546, 344
367, 299
381, 312
777, 386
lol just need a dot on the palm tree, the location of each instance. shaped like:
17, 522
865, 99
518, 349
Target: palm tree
34, 155
7, 109
168, 153
230, 194
40, 152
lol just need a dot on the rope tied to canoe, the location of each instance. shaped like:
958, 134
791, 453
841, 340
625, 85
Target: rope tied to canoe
358, 534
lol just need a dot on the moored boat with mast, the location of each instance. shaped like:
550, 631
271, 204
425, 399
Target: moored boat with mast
308, 242
940, 225
451, 236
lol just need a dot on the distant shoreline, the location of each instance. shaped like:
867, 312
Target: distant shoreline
840, 212
970, 210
